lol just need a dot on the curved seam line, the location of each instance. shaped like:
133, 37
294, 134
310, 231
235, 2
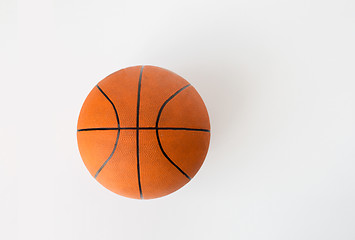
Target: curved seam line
137, 132
118, 132
157, 130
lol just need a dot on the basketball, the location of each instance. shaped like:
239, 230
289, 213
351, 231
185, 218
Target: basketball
143, 132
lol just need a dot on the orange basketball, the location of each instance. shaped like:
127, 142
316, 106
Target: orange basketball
143, 132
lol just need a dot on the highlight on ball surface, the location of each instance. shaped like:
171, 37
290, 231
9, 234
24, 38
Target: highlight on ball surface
143, 132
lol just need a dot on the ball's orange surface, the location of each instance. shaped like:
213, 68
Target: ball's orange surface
143, 132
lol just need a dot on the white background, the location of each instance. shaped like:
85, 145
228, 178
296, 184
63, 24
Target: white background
277, 78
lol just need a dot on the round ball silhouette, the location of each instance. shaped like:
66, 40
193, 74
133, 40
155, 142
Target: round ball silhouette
143, 132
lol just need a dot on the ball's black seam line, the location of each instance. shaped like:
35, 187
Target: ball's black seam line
144, 128
97, 129
183, 129
137, 132
118, 132
157, 130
